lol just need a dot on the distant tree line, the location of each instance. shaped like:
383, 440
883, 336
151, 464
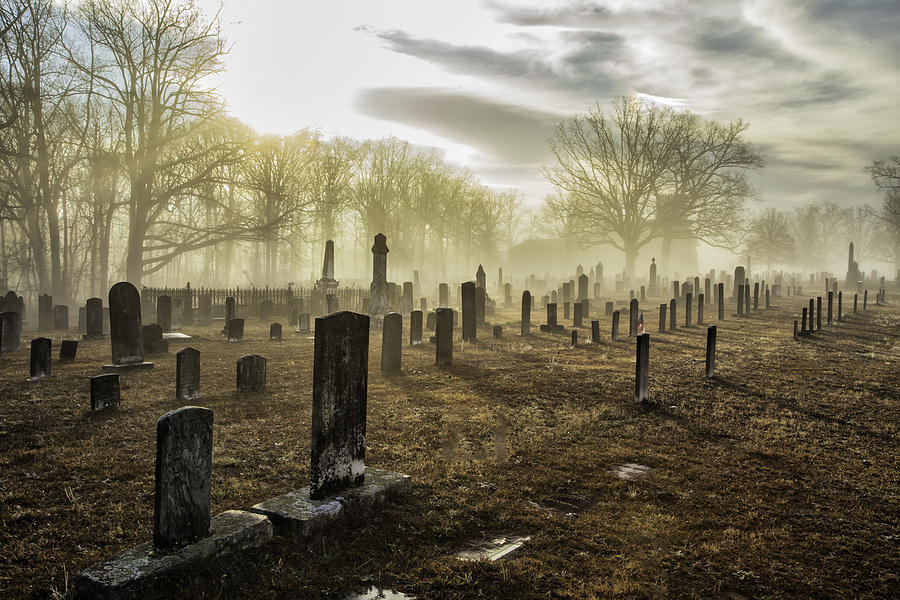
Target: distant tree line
118, 160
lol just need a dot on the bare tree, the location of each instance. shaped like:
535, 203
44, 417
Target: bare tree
886, 176
769, 238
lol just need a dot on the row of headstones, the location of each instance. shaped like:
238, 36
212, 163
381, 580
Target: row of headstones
814, 311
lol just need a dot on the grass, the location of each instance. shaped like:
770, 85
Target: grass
777, 478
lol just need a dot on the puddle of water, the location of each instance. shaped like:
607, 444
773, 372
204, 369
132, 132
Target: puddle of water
374, 593
494, 549
631, 471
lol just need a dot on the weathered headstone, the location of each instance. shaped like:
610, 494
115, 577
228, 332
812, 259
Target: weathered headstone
497, 331
481, 278
125, 333
378, 290
105, 391
251, 373
840, 313
415, 328
187, 374
164, 312
721, 298
755, 295
700, 304
303, 323
153, 340
61, 317
275, 332
525, 328
340, 384
595, 332
229, 311
469, 331
480, 302
10, 331
93, 319
40, 358
673, 322
818, 313
615, 326
181, 501
632, 317
662, 317
576, 318
855, 299
68, 350
803, 321
811, 315
711, 350
235, 330
443, 334
740, 301
582, 287
830, 307
391, 343
429, 321
688, 300
642, 368
739, 274
574, 338
609, 309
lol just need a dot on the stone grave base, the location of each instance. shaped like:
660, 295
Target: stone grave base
118, 577
128, 367
295, 513
552, 328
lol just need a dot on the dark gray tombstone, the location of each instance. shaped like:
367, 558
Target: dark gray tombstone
443, 295
855, 298
251, 373
582, 287
61, 317
40, 358
840, 314
574, 338
818, 313
68, 350
153, 339
643, 293
706, 290
688, 300
740, 301
507, 294
481, 277
105, 391
566, 310
711, 350
187, 374
480, 301
615, 326
576, 318
340, 384
125, 333
721, 298
184, 439
275, 332
497, 331
443, 336
303, 323
673, 321
700, 304
755, 296
795, 329
45, 312
642, 368
93, 319
391, 343
609, 309
235, 330
525, 328
229, 311
551, 315
415, 328
739, 274
767, 298
633, 317
803, 321
662, 317
595, 332
586, 309
830, 307
10, 331
164, 312
811, 315
469, 331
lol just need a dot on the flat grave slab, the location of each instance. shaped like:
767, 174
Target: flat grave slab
175, 335
493, 549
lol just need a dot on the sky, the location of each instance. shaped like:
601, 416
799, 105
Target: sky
484, 81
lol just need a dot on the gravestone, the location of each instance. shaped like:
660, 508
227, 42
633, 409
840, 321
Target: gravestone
10, 331
391, 343
525, 328
830, 306
229, 311
184, 439
700, 303
443, 295
643, 293
711, 349
469, 331
609, 309
61, 317
40, 358
497, 331
673, 322
187, 374
615, 326
721, 298
688, 299
662, 317
574, 338
739, 274
303, 323
818, 313
642, 368
803, 321
406, 300
340, 383
755, 295
576, 319
443, 336
507, 294
251, 373
767, 299
566, 310
840, 314
68, 349
164, 313
855, 298
275, 332
153, 340
105, 391
582, 287
811, 316
706, 289
93, 319
429, 321
740, 301
415, 328
595, 332
45, 312
235, 330
480, 301
585, 309
632, 317
125, 333
480, 278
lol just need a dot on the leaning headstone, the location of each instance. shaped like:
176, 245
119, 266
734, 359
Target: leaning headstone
251, 373
187, 374
61, 317
415, 328
443, 335
235, 330
40, 358
615, 326
391, 343
525, 328
125, 332
10, 331
642, 368
469, 331
68, 349
711, 350
93, 319
164, 313
153, 340
275, 332
105, 391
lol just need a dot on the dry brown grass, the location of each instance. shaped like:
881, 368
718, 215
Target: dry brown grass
779, 478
